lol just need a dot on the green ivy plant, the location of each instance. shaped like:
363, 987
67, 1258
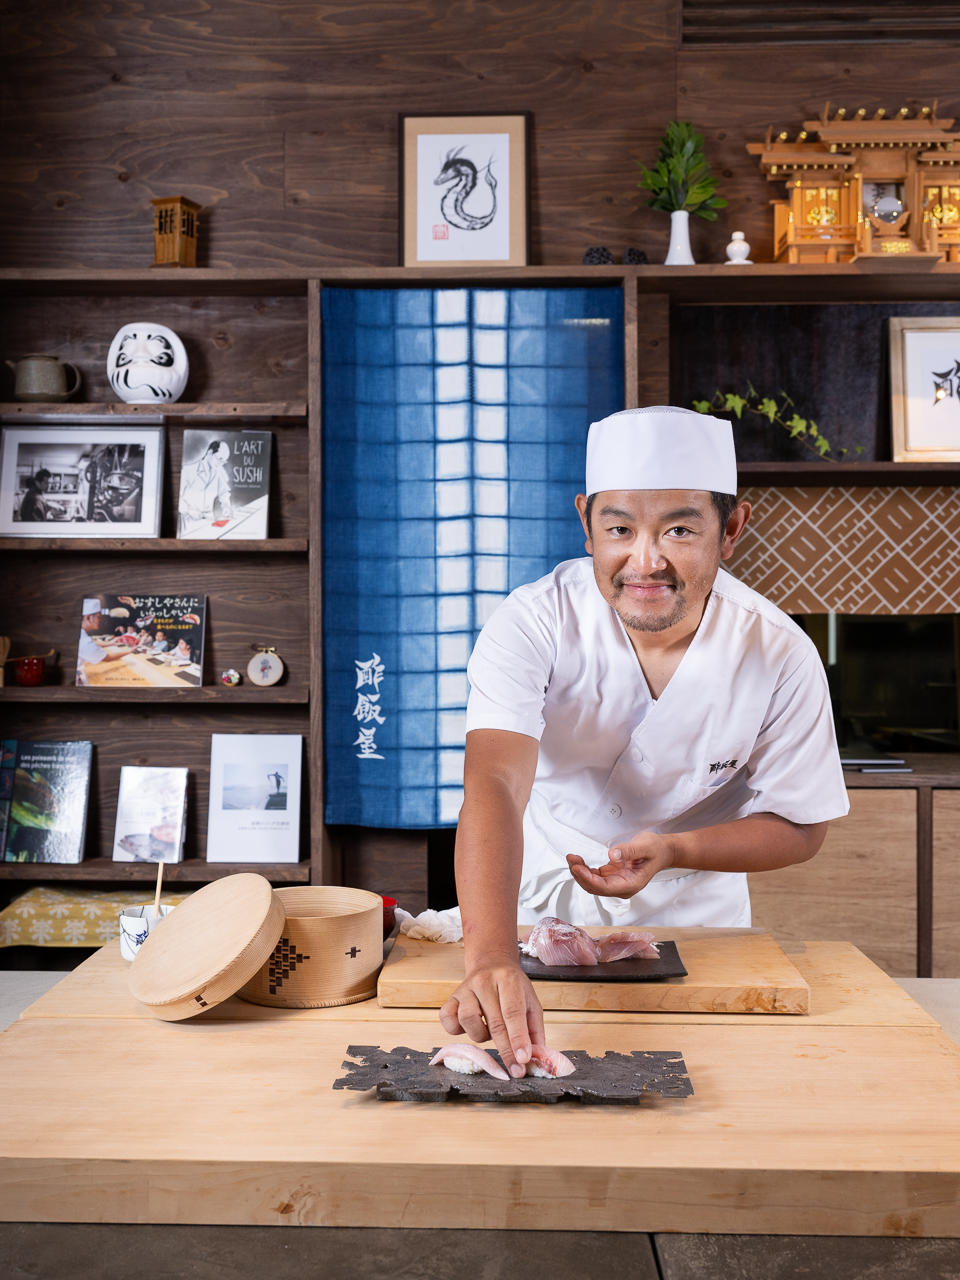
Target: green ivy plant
779, 411
681, 178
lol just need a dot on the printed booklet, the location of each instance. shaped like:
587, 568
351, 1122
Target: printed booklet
47, 818
151, 814
254, 811
141, 640
224, 484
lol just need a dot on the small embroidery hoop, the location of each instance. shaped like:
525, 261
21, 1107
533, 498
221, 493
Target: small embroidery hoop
265, 667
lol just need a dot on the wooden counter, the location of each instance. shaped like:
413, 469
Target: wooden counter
845, 1121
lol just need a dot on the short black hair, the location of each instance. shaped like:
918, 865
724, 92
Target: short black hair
724, 504
42, 474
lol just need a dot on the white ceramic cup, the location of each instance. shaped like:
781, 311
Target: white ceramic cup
136, 924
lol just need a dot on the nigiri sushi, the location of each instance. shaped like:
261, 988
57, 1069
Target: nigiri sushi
555, 941
627, 945
548, 1062
468, 1060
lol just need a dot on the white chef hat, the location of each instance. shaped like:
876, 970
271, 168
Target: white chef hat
91, 605
661, 448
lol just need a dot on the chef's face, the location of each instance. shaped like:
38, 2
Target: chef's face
656, 553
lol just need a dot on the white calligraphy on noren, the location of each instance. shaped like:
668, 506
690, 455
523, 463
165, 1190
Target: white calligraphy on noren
368, 710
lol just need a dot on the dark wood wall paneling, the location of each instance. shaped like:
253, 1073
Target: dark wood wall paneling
281, 120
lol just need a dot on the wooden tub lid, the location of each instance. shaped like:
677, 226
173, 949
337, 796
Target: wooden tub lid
208, 947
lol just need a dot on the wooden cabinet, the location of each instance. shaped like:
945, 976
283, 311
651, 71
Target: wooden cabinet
860, 888
249, 341
946, 884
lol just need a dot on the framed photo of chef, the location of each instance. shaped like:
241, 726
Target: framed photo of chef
464, 190
81, 481
925, 388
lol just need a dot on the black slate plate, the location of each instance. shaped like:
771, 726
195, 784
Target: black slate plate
405, 1075
667, 965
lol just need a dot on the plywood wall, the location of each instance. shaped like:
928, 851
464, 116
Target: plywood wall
280, 119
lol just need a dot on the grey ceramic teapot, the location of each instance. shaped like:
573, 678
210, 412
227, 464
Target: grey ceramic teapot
38, 377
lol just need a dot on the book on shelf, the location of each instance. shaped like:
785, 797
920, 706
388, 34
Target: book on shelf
138, 641
47, 818
151, 814
8, 764
254, 812
224, 484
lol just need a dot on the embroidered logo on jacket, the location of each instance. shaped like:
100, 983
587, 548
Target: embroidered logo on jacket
722, 764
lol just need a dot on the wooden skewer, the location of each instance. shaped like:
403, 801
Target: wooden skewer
156, 901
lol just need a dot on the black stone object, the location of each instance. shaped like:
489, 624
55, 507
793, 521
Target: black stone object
656, 969
405, 1075
634, 257
598, 257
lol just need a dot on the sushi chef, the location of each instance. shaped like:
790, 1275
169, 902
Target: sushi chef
643, 729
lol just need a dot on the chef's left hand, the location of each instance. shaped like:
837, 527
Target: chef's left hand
631, 865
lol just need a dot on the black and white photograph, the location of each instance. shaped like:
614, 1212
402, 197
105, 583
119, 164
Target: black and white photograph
463, 183
81, 481
224, 484
925, 388
254, 809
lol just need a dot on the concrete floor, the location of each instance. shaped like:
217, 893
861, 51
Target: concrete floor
57, 1251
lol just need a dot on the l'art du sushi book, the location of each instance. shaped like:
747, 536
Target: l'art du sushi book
254, 811
151, 814
224, 484
47, 818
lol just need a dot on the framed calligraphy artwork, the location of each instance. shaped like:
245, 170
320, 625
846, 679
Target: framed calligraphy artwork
464, 190
925, 388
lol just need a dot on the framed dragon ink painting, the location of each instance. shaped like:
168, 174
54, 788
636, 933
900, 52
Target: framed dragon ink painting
464, 190
925, 388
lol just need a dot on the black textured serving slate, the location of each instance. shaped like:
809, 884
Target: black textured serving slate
667, 965
405, 1075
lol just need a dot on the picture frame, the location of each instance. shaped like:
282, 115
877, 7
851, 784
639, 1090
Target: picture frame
925, 388
465, 190
101, 481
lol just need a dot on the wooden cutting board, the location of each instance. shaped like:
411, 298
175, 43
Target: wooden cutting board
728, 971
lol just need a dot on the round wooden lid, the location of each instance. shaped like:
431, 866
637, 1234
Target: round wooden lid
208, 947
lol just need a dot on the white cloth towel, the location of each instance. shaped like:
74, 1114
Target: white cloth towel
434, 926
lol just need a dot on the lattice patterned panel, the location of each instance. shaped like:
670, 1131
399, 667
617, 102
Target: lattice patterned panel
853, 550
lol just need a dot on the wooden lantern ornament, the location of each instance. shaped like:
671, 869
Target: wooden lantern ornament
882, 191
175, 232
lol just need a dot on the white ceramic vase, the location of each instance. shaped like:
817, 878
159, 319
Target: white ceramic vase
738, 251
678, 251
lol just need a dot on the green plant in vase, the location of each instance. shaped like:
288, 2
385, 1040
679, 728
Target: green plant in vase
680, 184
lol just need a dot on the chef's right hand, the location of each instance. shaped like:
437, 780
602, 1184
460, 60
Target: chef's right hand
496, 1001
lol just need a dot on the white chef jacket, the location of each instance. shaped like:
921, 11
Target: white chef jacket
88, 651
744, 726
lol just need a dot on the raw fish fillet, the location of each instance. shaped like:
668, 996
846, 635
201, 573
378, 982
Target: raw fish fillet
627, 945
548, 1062
469, 1060
555, 941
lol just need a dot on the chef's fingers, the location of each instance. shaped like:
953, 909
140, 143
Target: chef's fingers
471, 1016
508, 1021
449, 1019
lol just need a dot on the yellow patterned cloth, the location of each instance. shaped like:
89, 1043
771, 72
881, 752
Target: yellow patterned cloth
71, 916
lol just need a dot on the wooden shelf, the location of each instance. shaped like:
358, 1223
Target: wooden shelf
850, 473
195, 870
277, 694
14, 409
180, 546
708, 282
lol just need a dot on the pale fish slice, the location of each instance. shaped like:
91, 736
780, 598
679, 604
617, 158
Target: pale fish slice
556, 942
468, 1060
548, 1062
627, 945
